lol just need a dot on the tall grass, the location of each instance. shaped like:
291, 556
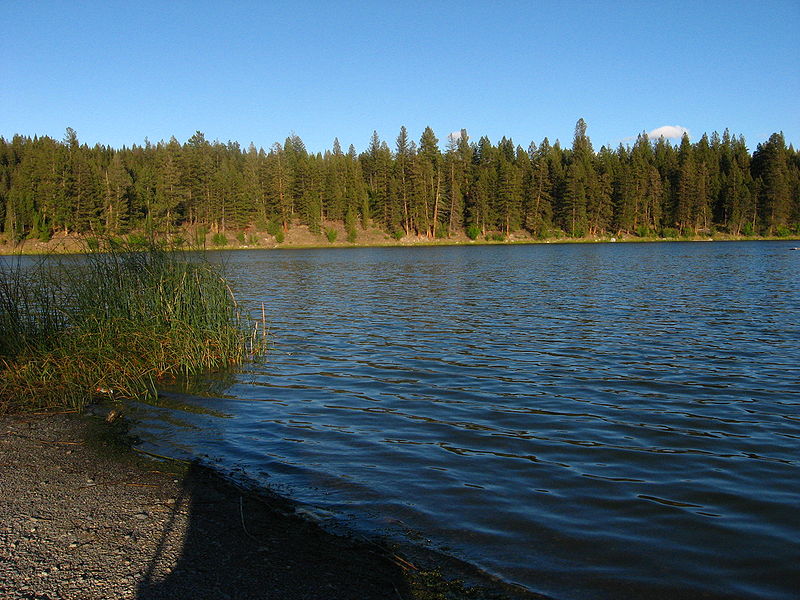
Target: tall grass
114, 323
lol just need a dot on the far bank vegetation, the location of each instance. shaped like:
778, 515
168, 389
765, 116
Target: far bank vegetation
203, 192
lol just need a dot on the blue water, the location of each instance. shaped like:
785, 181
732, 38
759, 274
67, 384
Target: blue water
589, 421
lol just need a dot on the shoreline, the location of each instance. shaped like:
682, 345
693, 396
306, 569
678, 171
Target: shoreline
75, 244
85, 517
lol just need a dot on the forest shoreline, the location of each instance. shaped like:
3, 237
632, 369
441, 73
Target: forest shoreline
204, 191
299, 238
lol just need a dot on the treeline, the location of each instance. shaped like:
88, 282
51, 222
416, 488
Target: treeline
650, 188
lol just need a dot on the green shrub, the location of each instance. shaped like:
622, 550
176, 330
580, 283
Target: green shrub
783, 231
93, 244
350, 226
473, 231
219, 240
240, 237
331, 234
398, 234
280, 236
496, 236
670, 232
273, 228
137, 240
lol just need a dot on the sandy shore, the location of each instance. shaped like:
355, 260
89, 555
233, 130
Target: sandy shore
84, 519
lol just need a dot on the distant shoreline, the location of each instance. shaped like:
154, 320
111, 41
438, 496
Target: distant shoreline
299, 238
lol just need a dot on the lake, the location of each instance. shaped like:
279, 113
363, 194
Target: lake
586, 420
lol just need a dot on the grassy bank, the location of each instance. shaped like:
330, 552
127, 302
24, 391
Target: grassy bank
115, 323
299, 236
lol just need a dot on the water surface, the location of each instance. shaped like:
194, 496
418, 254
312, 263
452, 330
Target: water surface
589, 421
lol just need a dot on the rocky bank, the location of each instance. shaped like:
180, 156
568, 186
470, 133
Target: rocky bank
83, 517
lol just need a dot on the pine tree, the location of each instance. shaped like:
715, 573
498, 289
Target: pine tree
453, 196
169, 189
484, 189
599, 210
686, 192
252, 186
280, 185
579, 184
403, 176
377, 169
198, 174
705, 185
509, 194
770, 166
538, 208
430, 160
311, 205
117, 183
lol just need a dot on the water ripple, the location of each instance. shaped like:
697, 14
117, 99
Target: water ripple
590, 421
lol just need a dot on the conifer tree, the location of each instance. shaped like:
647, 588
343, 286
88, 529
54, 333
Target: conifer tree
579, 183
770, 167
117, 183
252, 187
484, 188
403, 176
538, 209
599, 210
169, 189
48, 185
279, 189
686, 191
430, 181
509, 194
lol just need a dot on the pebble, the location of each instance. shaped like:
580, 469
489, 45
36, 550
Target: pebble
98, 543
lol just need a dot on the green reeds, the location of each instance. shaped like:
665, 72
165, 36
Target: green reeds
114, 323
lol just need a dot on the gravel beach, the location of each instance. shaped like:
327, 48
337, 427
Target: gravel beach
84, 519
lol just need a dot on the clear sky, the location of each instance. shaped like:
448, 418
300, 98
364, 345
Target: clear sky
120, 72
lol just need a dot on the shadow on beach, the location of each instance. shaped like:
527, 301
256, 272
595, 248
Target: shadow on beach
241, 545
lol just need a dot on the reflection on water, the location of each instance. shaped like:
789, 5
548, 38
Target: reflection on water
590, 421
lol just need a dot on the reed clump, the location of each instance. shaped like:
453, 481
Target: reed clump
114, 323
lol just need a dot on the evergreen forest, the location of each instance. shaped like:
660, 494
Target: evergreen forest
424, 188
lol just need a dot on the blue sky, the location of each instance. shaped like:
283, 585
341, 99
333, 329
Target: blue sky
118, 72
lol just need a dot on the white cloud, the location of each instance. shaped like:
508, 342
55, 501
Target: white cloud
671, 132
